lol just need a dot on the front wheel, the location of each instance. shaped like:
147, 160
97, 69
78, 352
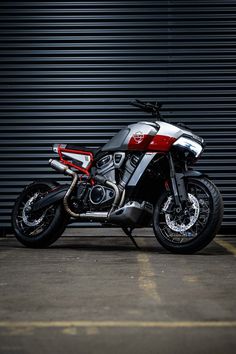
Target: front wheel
194, 227
37, 229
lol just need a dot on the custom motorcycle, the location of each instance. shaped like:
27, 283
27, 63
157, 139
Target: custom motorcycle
142, 177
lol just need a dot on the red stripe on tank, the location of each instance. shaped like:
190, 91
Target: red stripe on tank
161, 143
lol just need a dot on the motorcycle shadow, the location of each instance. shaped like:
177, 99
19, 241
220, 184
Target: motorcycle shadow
112, 244
123, 244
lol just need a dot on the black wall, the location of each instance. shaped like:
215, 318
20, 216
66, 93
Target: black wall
69, 69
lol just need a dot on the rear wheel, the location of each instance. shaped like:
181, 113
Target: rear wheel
191, 229
37, 229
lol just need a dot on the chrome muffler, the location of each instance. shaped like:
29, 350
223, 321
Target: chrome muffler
60, 167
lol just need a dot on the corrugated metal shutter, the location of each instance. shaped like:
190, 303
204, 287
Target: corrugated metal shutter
69, 69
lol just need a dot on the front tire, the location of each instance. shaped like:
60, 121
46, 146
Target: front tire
41, 229
193, 228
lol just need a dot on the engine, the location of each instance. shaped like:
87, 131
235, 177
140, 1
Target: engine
106, 168
116, 168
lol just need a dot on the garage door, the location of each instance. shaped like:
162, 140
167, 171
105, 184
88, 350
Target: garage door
69, 69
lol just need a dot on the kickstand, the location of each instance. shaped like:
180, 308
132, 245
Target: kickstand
128, 231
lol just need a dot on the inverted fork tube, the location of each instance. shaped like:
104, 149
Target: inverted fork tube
173, 181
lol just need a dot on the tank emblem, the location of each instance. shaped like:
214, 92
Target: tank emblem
138, 137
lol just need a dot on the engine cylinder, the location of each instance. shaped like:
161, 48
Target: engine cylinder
130, 166
105, 167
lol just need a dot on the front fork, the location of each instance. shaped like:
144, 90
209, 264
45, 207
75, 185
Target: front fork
177, 185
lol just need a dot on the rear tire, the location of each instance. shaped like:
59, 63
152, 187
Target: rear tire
208, 218
43, 228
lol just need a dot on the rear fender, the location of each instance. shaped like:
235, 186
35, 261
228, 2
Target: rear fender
52, 197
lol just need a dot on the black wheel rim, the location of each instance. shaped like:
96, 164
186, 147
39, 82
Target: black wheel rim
32, 225
199, 192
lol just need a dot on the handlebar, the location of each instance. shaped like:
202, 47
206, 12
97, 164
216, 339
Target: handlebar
148, 107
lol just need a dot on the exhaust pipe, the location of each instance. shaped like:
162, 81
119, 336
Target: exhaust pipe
97, 216
94, 215
102, 180
60, 167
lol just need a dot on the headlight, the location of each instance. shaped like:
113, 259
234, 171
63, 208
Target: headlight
189, 145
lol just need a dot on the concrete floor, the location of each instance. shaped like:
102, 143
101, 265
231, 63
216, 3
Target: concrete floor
101, 295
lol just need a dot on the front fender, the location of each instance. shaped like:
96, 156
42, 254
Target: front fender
53, 196
193, 173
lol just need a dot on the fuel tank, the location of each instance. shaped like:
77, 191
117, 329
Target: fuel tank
144, 136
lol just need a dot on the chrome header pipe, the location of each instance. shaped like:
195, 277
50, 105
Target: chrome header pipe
60, 167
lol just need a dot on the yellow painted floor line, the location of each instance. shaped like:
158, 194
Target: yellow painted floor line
115, 324
147, 277
228, 246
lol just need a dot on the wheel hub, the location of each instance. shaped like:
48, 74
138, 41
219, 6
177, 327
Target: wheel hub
27, 216
184, 220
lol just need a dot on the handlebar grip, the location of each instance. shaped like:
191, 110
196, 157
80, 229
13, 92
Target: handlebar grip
152, 108
137, 103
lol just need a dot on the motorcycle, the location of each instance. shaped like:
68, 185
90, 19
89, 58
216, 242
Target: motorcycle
142, 177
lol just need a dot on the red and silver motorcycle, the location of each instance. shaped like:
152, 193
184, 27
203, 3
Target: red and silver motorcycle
141, 177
